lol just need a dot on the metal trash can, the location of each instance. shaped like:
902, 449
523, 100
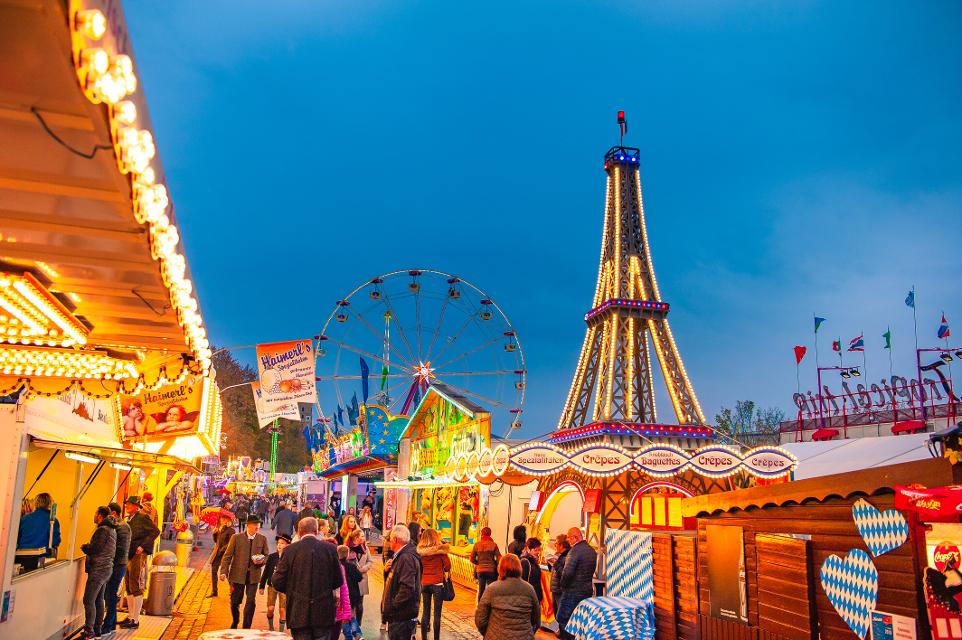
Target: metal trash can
183, 547
162, 585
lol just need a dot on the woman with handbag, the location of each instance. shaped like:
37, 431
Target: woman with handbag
435, 572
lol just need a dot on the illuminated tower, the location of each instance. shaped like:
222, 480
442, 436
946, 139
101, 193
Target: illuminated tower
613, 382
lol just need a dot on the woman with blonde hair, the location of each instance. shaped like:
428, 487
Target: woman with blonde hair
435, 567
509, 608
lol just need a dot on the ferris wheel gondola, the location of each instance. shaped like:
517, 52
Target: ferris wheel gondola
395, 335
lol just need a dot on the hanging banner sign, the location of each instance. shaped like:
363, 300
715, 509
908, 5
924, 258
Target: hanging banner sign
538, 459
286, 372
601, 460
266, 413
167, 412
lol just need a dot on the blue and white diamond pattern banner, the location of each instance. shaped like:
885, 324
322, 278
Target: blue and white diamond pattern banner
882, 531
612, 618
852, 587
630, 570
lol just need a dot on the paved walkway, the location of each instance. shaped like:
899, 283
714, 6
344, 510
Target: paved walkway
194, 613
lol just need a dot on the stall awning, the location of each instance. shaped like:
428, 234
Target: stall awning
423, 484
357, 465
112, 455
828, 457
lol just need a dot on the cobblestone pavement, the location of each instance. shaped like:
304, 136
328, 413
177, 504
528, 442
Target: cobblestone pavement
195, 613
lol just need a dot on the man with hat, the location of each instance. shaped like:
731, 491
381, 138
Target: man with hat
273, 595
241, 565
143, 533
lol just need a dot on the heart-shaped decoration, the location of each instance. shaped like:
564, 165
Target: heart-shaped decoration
882, 531
852, 587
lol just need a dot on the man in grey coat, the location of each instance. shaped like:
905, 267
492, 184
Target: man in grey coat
575, 579
120, 568
242, 564
99, 565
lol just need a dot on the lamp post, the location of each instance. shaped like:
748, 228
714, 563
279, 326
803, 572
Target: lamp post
946, 356
845, 372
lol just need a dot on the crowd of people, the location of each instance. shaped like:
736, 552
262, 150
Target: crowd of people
317, 561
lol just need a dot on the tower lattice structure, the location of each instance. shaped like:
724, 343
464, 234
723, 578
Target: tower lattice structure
614, 380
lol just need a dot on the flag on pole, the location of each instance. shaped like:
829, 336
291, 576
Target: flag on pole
857, 344
944, 331
910, 299
365, 372
888, 338
799, 353
837, 345
818, 323
622, 123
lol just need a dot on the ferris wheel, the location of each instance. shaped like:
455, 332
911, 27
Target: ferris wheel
395, 335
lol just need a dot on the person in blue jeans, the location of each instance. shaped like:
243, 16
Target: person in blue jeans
120, 568
575, 579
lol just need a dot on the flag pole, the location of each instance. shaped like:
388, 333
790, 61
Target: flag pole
890, 353
915, 323
864, 362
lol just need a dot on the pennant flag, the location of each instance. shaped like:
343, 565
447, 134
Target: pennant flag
340, 416
856, 344
365, 372
910, 299
888, 338
837, 345
622, 123
799, 354
818, 323
944, 331
353, 411
384, 372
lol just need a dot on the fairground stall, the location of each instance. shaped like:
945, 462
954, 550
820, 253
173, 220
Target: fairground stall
347, 466
447, 430
104, 360
867, 552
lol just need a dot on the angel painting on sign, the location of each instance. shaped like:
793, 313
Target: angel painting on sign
176, 419
133, 415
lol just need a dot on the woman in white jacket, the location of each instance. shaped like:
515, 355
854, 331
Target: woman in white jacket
361, 555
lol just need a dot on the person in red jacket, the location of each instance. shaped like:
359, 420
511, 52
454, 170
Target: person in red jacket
435, 566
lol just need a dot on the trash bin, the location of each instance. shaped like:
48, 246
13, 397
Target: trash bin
183, 547
162, 584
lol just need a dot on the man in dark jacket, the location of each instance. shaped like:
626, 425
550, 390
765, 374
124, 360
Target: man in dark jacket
119, 570
242, 564
284, 520
143, 533
222, 537
575, 579
402, 590
309, 573
99, 565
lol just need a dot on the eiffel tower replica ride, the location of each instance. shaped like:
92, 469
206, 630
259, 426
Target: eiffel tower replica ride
612, 395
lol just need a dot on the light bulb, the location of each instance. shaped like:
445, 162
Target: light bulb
92, 23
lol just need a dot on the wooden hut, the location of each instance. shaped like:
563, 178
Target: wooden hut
787, 531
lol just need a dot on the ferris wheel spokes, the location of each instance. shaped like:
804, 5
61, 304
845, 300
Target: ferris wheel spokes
400, 328
370, 328
467, 353
452, 339
478, 396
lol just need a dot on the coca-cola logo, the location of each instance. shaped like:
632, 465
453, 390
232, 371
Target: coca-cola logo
944, 553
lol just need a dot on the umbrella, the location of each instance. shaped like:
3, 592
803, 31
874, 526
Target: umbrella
212, 515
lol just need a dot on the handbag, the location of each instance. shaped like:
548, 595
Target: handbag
447, 592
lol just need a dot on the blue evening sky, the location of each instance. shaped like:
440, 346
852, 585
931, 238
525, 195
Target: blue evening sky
796, 158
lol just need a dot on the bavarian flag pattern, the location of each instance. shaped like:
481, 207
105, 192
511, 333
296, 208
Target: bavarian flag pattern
631, 575
612, 618
882, 531
852, 587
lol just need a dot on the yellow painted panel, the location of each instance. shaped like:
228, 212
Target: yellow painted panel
646, 517
674, 512
658, 504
